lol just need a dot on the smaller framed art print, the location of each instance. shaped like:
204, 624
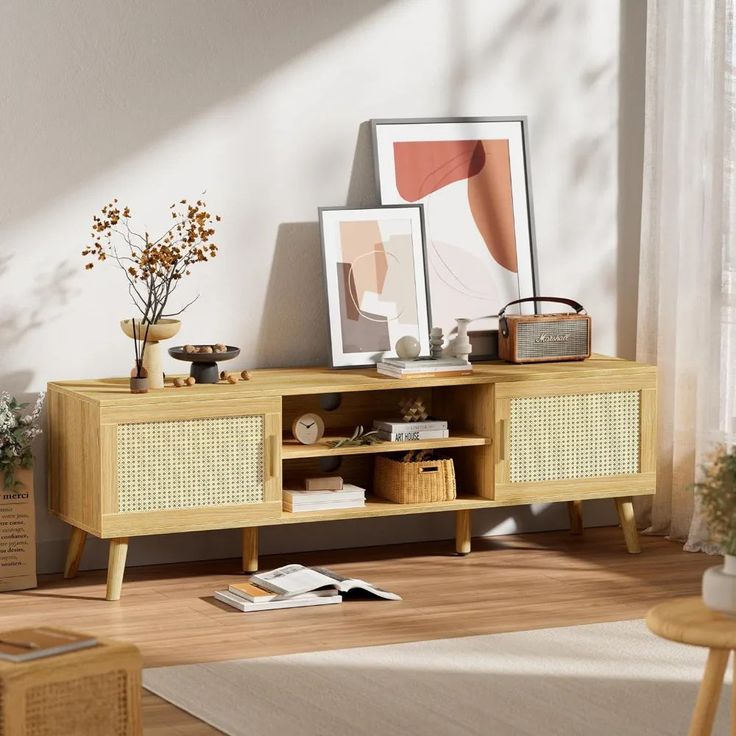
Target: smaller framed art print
376, 278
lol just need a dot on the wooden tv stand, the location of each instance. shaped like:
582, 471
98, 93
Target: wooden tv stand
124, 465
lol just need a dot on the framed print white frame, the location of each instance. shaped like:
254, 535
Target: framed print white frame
375, 270
472, 175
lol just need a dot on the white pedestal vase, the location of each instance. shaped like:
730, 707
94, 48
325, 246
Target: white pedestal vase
719, 586
152, 358
461, 347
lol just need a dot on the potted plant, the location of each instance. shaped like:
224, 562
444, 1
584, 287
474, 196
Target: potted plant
716, 495
153, 268
18, 429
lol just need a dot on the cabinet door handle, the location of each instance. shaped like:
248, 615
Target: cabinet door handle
502, 439
273, 464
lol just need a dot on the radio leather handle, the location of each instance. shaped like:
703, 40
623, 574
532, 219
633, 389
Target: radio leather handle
503, 325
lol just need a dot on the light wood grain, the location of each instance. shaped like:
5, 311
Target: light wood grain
688, 621
291, 449
509, 583
74, 552
462, 532
709, 693
116, 568
625, 508
575, 512
250, 549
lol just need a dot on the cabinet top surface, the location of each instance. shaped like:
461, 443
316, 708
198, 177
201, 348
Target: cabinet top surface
276, 382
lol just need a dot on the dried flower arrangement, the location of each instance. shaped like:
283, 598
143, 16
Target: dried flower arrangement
716, 494
18, 429
153, 266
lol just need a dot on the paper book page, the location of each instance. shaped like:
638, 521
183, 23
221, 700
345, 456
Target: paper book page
292, 579
344, 585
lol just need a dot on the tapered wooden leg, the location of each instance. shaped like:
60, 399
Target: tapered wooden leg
74, 552
733, 699
709, 693
116, 567
625, 508
575, 512
250, 549
462, 532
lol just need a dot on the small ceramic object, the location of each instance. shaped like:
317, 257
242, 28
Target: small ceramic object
308, 429
436, 341
190, 381
408, 347
461, 347
412, 410
204, 366
205, 349
232, 378
245, 375
190, 349
179, 382
220, 348
152, 357
139, 380
719, 586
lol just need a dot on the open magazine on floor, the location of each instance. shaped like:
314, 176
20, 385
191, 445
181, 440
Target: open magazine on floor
297, 579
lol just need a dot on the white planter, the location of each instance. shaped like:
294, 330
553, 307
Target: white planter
719, 586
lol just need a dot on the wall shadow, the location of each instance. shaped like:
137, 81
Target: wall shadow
150, 71
631, 87
295, 302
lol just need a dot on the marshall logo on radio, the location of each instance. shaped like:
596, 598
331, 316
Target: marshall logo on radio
540, 338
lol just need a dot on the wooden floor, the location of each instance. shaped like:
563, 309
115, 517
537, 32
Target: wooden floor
507, 584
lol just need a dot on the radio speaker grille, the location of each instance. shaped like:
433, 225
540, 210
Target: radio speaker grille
572, 338
190, 463
574, 436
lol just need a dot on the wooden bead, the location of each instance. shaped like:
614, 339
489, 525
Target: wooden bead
232, 378
191, 381
223, 375
245, 375
179, 382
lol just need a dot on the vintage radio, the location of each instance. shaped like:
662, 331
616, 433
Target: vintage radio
540, 338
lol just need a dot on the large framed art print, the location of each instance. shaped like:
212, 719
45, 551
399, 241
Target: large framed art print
472, 176
376, 278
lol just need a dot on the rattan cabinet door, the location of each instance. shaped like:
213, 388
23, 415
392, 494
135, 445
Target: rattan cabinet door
208, 467
577, 439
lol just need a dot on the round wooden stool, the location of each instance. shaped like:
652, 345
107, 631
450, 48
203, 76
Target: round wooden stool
688, 621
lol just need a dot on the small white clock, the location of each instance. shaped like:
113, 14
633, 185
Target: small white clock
308, 429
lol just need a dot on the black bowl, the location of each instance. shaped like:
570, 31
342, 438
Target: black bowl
204, 365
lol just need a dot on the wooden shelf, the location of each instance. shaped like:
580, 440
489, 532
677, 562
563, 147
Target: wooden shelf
291, 449
379, 507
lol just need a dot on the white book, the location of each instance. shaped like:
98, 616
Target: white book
323, 506
398, 373
424, 364
225, 596
398, 425
349, 491
410, 436
296, 579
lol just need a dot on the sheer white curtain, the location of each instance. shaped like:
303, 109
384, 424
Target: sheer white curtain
687, 281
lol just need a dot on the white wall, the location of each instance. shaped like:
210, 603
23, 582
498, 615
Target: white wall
262, 104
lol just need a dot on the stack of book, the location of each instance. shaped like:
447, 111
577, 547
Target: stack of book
394, 430
349, 497
295, 586
424, 367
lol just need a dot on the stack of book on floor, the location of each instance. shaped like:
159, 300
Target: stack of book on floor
322, 494
395, 430
295, 586
424, 367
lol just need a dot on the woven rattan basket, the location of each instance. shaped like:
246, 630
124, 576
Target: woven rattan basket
407, 480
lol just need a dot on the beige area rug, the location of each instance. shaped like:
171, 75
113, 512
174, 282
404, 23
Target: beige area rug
612, 679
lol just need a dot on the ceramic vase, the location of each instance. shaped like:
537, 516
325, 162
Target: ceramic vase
719, 586
461, 347
153, 355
